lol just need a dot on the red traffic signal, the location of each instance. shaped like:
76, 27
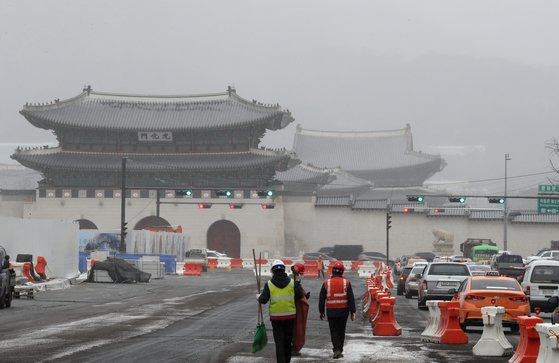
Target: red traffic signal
204, 205
268, 206
235, 206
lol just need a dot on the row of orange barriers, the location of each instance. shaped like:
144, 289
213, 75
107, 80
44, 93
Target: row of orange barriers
378, 305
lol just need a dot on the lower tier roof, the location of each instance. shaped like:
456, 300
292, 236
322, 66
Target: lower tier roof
56, 158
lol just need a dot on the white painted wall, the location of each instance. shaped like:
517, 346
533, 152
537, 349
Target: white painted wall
314, 227
55, 240
296, 227
260, 229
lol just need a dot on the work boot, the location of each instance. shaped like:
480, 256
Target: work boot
337, 354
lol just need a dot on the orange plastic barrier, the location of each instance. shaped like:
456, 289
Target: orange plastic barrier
529, 341
355, 265
41, 266
374, 311
386, 325
311, 268
236, 263
388, 280
449, 331
212, 263
286, 262
27, 271
192, 269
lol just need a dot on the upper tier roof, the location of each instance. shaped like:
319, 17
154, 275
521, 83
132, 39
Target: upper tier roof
56, 158
151, 113
358, 151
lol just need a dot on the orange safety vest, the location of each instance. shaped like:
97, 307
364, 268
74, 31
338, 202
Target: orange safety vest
336, 293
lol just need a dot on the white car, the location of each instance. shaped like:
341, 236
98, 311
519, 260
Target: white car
545, 255
540, 283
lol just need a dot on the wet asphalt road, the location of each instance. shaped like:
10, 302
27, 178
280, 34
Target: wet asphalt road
195, 319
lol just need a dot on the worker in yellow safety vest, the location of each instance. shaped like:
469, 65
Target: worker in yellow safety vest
281, 291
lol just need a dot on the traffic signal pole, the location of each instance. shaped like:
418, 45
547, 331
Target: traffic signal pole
123, 208
388, 222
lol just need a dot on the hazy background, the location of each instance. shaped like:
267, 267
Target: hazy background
475, 79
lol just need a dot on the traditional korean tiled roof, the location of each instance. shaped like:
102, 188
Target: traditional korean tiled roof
357, 151
152, 113
370, 204
333, 201
56, 158
304, 174
486, 213
535, 218
344, 180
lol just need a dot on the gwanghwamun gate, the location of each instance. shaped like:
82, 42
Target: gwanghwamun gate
197, 161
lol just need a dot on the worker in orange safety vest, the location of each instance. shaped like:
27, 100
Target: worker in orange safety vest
337, 300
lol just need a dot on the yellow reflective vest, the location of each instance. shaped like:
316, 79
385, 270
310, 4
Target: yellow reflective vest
282, 301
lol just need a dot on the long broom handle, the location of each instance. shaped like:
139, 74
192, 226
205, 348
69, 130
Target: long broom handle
257, 285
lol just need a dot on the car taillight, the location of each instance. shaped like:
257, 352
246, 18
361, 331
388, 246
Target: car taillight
474, 297
402, 278
413, 279
518, 299
527, 290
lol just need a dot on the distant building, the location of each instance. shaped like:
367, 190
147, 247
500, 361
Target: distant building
385, 158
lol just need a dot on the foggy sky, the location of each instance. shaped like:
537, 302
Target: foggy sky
460, 72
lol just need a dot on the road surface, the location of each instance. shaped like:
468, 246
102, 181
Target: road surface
196, 319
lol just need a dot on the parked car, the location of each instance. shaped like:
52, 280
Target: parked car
479, 270
402, 280
480, 291
438, 278
317, 256
540, 283
410, 288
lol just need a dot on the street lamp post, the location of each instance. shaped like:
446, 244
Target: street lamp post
505, 207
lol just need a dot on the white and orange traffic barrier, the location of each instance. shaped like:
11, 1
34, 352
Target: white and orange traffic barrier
529, 341
428, 334
493, 342
549, 345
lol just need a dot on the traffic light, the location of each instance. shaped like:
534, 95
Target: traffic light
123, 232
461, 200
184, 192
204, 205
438, 210
224, 193
415, 198
268, 206
266, 193
497, 200
235, 206
388, 220
407, 210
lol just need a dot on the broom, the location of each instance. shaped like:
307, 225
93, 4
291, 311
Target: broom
260, 337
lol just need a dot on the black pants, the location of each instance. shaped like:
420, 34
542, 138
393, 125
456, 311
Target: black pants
337, 332
283, 337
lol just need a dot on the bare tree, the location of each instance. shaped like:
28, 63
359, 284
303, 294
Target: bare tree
553, 146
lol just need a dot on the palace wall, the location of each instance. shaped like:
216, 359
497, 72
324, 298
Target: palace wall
260, 229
